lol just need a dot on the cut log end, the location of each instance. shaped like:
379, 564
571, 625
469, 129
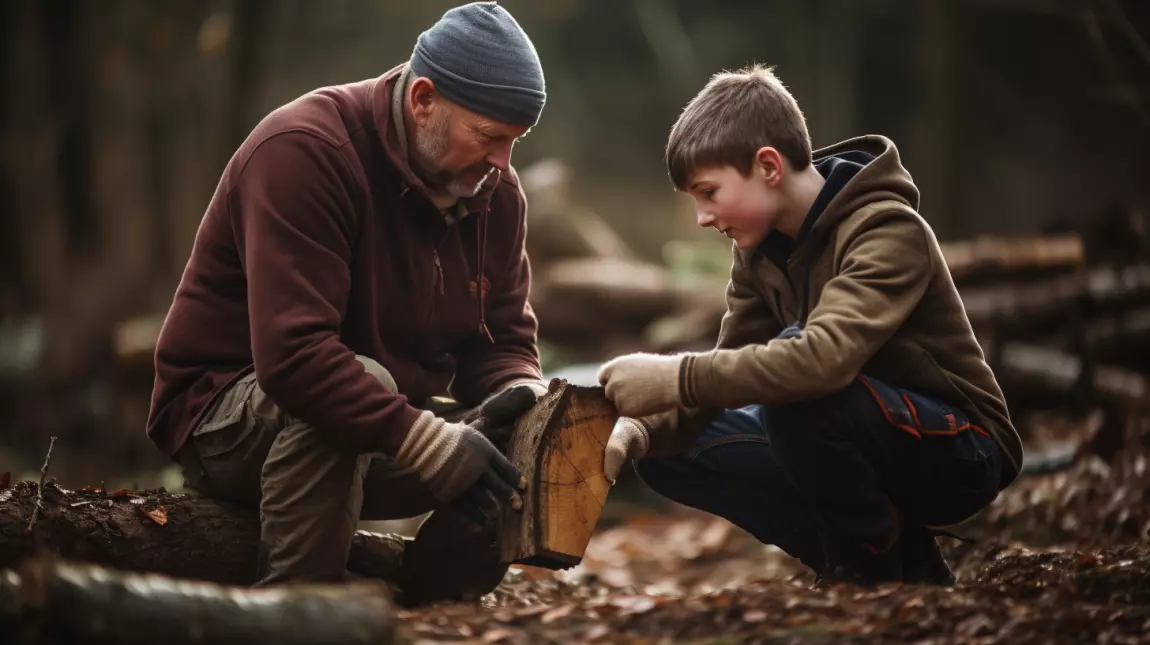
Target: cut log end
559, 447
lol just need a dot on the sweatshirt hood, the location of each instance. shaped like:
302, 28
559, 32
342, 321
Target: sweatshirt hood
858, 171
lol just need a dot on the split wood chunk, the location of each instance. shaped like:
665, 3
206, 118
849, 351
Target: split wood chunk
559, 447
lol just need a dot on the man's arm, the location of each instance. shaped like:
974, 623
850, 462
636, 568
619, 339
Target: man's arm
511, 355
295, 220
885, 272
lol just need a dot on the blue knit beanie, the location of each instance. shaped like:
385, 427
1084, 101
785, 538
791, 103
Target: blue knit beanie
480, 58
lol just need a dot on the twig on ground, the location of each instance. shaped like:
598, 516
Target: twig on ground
40, 490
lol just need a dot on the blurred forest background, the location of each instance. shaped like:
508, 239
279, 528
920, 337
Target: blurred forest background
1016, 117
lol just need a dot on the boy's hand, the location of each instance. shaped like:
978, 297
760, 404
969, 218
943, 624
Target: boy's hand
642, 384
629, 440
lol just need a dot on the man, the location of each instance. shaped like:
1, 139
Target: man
362, 255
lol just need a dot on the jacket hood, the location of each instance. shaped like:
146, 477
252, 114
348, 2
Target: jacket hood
881, 178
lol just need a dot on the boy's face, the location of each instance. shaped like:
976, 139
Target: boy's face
744, 208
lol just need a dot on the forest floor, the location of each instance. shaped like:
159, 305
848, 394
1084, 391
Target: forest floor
1061, 557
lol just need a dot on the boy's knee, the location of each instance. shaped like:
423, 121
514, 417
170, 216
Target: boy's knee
816, 417
661, 474
380, 372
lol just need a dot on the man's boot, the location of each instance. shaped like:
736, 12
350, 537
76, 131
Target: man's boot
922, 561
449, 560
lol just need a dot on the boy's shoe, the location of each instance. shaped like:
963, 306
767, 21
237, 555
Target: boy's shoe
859, 567
922, 561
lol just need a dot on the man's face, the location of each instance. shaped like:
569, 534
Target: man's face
455, 149
744, 208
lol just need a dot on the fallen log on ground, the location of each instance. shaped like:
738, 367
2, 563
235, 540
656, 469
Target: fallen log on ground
170, 533
48, 601
559, 445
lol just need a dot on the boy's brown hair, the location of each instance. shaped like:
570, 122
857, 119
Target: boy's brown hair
731, 118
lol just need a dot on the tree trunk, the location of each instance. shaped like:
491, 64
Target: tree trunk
201, 538
52, 601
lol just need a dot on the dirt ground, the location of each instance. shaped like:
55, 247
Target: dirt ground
1058, 558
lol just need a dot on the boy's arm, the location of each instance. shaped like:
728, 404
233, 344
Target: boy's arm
886, 269
748, 320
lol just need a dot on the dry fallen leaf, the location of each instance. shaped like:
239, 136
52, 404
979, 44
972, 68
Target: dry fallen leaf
755, 616
122, 492
531, 610
558, 613
597, 633
159, 515
634, 604
497, 635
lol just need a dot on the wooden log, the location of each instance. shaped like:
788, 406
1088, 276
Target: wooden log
1059, 374
559, 447
1032, 306
200, 538
995, 257
49, 600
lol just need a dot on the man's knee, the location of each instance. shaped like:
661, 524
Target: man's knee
380, 372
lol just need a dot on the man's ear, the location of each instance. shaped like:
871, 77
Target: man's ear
422, 99
769, 165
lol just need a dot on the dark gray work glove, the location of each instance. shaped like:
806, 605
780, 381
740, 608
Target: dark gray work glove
453, 458
495, 418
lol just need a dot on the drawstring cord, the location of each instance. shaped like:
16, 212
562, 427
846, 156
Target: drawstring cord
480, 248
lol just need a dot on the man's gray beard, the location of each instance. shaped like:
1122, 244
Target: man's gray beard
430, 145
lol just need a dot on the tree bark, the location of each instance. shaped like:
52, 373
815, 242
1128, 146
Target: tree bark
201, 538
49, 601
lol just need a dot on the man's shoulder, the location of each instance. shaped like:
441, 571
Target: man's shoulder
330, 115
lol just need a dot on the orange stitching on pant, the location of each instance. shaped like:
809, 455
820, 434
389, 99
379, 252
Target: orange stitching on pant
886, 412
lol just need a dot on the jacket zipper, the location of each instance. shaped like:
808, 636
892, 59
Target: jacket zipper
437, 279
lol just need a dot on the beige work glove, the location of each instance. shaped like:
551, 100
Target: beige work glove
457, 463
642, 384
629, 440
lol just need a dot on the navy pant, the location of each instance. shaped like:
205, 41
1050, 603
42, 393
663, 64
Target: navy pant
837, 468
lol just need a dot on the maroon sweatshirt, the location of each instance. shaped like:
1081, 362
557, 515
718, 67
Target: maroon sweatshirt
319, 244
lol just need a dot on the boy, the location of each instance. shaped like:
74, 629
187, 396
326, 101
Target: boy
847, 405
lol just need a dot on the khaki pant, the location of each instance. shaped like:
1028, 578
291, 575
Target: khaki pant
311, 493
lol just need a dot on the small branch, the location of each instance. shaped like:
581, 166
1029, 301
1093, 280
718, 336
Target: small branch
40, 490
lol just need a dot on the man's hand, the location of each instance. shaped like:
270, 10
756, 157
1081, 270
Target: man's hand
642, 384
495, 418
629, 440
454, 458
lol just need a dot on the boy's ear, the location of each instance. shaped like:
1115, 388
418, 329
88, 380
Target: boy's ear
769, 165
